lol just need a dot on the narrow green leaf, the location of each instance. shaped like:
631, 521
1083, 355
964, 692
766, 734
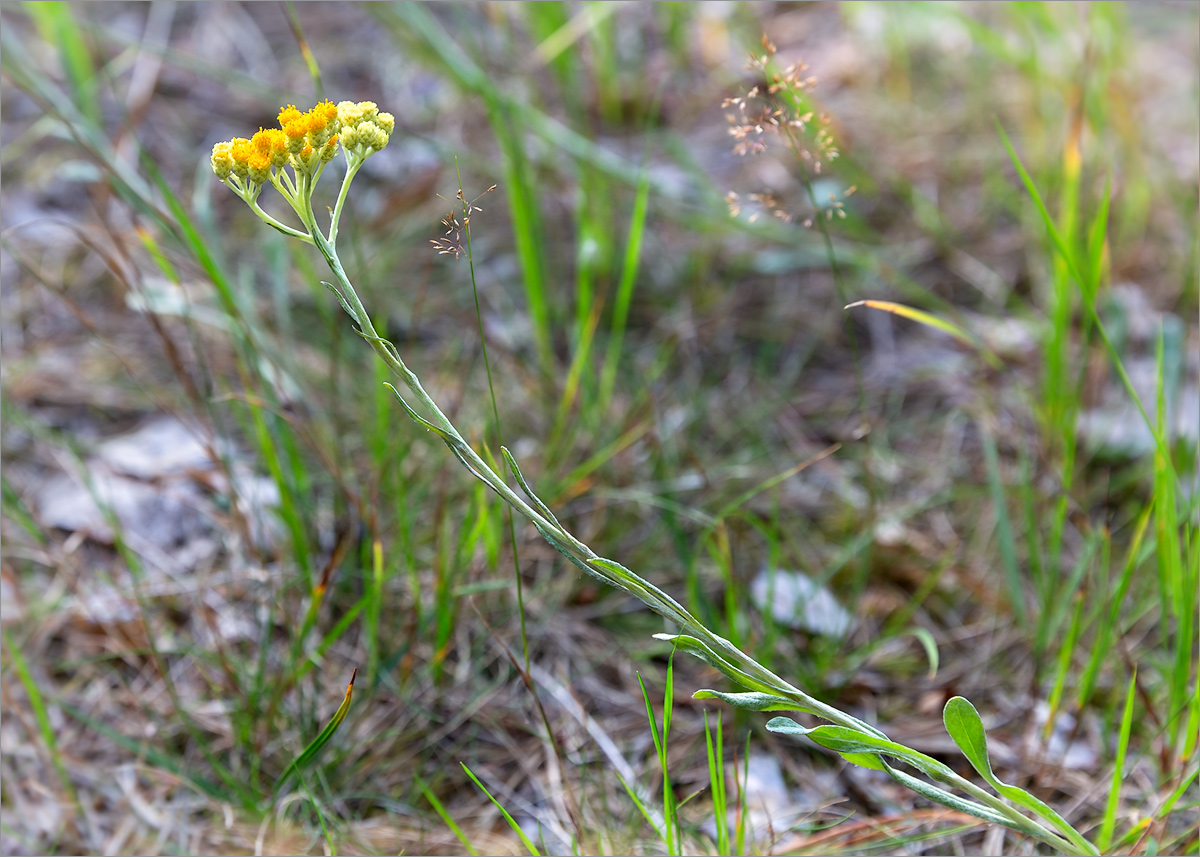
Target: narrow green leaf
649, 594
856, 747
318, 744
516, 828
716, 779
1097, 240
341, 298
939, 795
646, 812
41, 715
445, 816
620, 313
1108, 825
1077, 275
1004, 531
56, 22
654, 733
314, 70
699, 649
929, 645
533, 498
417, 418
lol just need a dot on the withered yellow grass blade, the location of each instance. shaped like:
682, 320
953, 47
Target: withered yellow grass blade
936, 323
922, 317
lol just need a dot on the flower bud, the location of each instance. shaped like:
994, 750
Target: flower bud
222, 161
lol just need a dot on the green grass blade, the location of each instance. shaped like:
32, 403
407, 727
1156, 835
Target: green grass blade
1077, 275
56, 22
14, 508
1176, 576
624, 298
646, 812
660, 750
310, 61
716, 778
743, 799
570, 390
45, 727
670, 813
516, 828
929, 644
1102, 644
1057, 600
1065, 659
445, 816
314, 748
521, 191
156, 756
1004, 533
128, 184
1109, 822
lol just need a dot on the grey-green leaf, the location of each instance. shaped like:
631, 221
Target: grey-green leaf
417, 418
843, 740
751, 701
704, 652
533, 498
945, 798
786, 726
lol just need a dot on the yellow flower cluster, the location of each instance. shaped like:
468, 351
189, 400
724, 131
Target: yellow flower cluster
363, 128
311, 137
304, 140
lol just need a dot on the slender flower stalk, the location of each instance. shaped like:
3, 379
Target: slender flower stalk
291, 159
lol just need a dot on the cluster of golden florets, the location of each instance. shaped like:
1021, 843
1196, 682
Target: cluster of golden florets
305, 140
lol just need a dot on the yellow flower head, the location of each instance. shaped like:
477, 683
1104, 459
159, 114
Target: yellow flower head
272, 143
329, 150
222, 161
239, 152
364, 129
314, 131
288, 114
322, 124
295, 128
326, 110
258, 165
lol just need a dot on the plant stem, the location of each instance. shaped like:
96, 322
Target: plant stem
560, 538
735, 663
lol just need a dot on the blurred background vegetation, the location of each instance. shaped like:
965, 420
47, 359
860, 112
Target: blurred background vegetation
213, 511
